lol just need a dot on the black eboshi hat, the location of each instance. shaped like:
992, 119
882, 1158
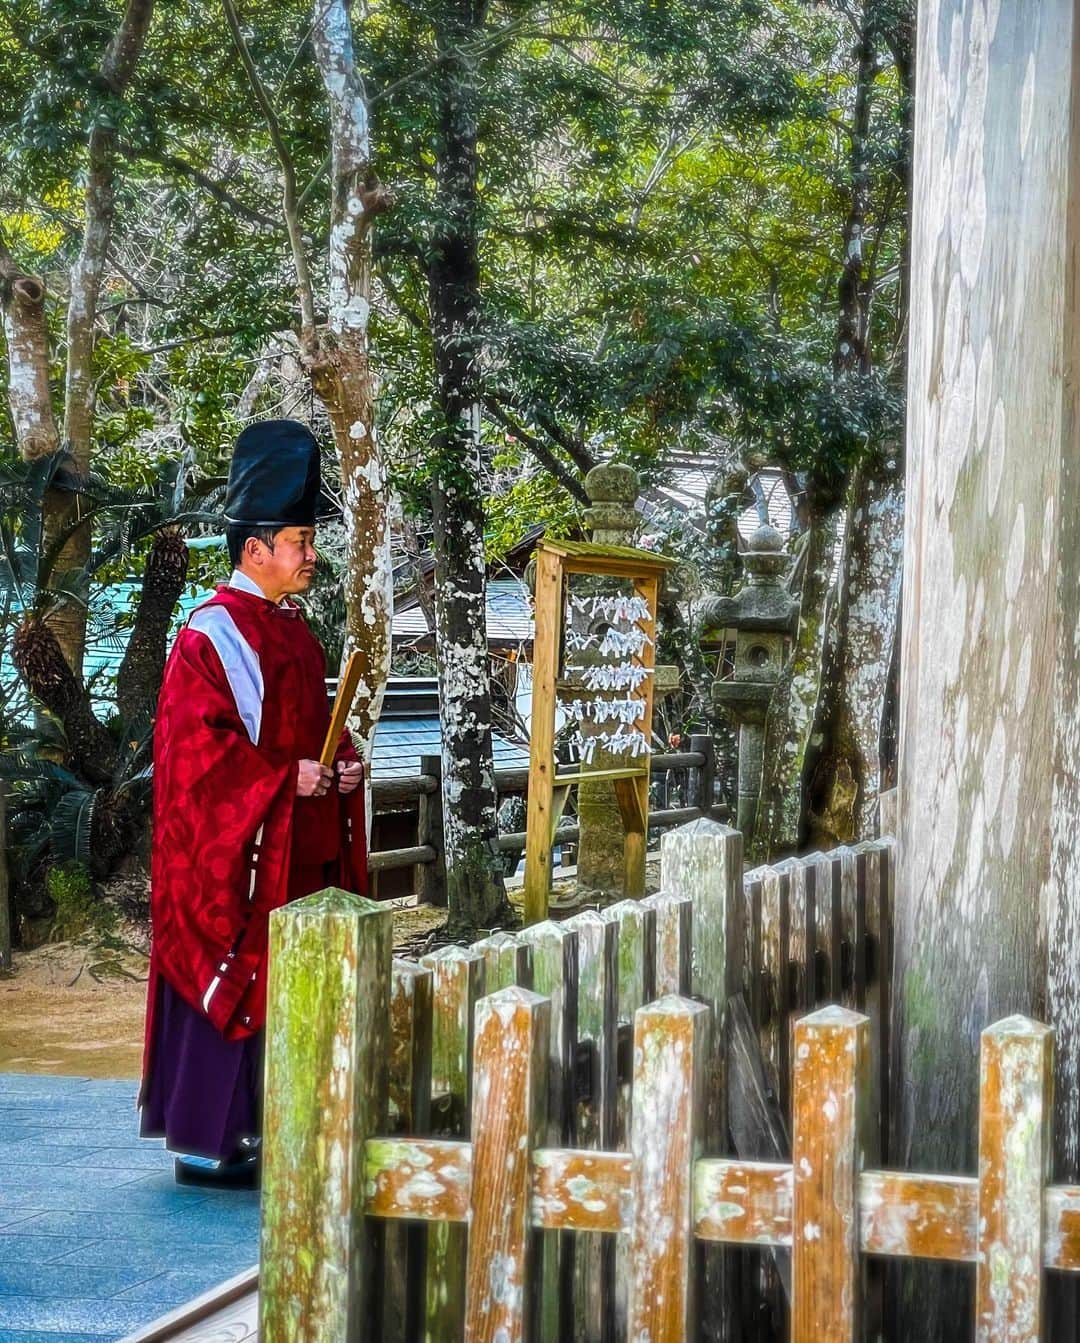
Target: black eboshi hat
274, 477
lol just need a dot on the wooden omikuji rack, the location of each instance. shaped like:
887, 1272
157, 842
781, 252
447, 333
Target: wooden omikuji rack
549, 790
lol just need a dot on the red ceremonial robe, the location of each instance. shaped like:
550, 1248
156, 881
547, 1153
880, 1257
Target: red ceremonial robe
243, 700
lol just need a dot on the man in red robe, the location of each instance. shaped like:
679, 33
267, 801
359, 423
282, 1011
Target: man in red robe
245, 817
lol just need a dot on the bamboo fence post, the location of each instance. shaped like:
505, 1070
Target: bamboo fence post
508, 1122
555, 975
594, 1117
704, 860
1015, 1118
666, 1138
327, 1041
410, 1113
828, 1145
457, 983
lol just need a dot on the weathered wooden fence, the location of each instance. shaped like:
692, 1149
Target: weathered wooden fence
498, 1208
398, 1050
696, 768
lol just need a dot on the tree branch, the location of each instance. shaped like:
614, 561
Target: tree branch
288, 173
540, 451
181, 168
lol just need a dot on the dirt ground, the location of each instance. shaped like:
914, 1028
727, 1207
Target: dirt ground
77, 1008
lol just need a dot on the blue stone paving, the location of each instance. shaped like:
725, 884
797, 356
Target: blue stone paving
96, 1238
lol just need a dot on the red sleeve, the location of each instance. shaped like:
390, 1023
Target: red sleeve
346, 751
222, 835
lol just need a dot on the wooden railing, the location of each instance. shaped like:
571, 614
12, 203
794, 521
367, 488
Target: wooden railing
424, 790
405, 1060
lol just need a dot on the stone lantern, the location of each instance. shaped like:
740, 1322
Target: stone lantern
765, 618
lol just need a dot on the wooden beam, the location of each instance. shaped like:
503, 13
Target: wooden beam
581, 1191
428, 1179
743, 1202
546, 646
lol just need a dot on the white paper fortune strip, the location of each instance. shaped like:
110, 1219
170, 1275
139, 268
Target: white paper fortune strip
620, 742
611, 642
625, 677
612, 608
604, 710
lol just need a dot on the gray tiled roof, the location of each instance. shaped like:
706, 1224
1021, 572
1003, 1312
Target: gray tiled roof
409, 729
509, 616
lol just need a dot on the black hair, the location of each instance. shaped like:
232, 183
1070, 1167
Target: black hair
236, 533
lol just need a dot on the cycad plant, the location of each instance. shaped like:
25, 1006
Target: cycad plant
78, 778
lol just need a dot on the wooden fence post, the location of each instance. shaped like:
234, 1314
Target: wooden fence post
555, 975
507, 962
703, 779
594, 1118
457, 983
704, 860
429, 830
1015, 1110
829, 1140
636, 925
508, 1122
674, 936
327, 1041
670, 1036
410, 1113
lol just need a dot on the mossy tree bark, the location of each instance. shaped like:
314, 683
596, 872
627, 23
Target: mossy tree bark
474, 883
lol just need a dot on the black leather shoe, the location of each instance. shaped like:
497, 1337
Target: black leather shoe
241, 1173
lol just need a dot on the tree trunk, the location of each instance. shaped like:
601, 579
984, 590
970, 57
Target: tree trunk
22, 298
341, 372
475, 890
794, 705
40, 661
62, 508
987, 916
138, 680
847, 774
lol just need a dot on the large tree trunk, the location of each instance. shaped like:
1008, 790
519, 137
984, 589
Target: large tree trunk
847, 774
341, 372
474, 880
62, 508
987, 916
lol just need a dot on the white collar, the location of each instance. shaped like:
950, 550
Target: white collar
246, 584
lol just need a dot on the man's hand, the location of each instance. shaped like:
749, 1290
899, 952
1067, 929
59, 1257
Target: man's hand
314, 780
350, 772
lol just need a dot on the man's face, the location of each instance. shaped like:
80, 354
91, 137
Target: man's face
290, 566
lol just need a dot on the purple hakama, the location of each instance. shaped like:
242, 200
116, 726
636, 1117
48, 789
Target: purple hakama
203, 1094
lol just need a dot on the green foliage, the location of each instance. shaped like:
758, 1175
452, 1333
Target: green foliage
663, 194
80, 913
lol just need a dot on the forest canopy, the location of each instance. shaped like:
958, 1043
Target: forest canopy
594, 230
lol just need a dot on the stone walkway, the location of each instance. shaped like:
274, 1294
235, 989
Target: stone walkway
96, 1239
